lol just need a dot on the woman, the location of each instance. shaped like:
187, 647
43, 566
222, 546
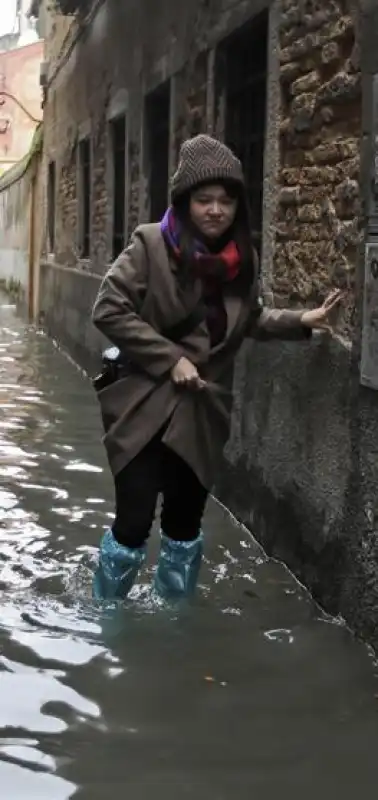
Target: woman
178, 303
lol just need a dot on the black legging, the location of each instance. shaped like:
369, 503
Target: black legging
157, 469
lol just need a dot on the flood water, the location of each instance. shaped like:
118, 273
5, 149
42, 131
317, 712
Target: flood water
250, 692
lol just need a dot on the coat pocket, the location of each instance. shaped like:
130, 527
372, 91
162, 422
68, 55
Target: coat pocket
114, 398
123, 399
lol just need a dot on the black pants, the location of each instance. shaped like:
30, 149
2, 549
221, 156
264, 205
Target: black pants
157, 469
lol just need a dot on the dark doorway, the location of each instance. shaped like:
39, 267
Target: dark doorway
51, 194
118, 144
244, 66
85, 172
157, 148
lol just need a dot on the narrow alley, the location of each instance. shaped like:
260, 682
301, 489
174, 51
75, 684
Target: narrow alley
251, 692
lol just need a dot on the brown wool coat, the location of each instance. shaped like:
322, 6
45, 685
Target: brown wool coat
138, 298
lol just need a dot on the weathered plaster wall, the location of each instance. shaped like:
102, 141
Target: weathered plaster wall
22, 226
14, 233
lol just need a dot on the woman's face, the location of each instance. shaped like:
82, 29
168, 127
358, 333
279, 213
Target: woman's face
212, 210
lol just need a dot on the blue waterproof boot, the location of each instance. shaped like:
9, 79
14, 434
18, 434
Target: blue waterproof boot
178, 567
117, 569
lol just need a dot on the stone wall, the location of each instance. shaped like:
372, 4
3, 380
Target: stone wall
71, 292
301, 465
191, 101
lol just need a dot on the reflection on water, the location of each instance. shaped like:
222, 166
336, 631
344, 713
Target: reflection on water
249, 691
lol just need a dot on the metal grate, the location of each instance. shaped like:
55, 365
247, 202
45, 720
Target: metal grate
245, 69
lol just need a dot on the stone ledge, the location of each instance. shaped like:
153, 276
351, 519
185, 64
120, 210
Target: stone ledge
67, 296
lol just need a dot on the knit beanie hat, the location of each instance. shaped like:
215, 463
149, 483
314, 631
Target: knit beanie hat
204, 160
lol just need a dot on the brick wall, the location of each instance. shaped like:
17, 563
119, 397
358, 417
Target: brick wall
318, 215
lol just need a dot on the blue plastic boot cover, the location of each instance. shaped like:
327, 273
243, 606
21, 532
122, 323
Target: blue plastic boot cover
117, 569
178, 567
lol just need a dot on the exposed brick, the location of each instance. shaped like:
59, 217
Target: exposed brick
318, 217
302, 111
330, 52
311, 212
306, 83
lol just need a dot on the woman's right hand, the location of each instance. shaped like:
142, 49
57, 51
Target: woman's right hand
184, 373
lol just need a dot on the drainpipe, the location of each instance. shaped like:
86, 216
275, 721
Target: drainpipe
32, 254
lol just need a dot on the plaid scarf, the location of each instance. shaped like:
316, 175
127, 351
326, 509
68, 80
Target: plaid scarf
214, 269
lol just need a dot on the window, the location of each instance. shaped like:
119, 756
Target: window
51, 189
84, 195
118, 145
245, 64
157, 112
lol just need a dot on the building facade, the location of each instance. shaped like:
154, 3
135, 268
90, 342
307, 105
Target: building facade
21, 54
291, 87
20, 101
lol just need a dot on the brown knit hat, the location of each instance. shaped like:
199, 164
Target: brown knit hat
203, 160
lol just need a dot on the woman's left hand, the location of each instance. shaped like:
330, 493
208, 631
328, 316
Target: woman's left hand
320, 318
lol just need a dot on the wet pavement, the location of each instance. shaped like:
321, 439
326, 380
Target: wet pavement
248, 692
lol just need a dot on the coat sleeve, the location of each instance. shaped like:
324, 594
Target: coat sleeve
272, 323
116, 313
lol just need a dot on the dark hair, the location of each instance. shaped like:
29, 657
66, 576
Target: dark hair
239, 231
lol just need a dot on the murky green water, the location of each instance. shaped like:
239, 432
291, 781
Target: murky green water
249, 693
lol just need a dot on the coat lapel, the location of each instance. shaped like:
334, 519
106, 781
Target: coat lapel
235, 307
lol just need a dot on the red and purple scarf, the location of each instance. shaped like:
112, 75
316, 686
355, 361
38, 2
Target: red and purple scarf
224, 264
214, 269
